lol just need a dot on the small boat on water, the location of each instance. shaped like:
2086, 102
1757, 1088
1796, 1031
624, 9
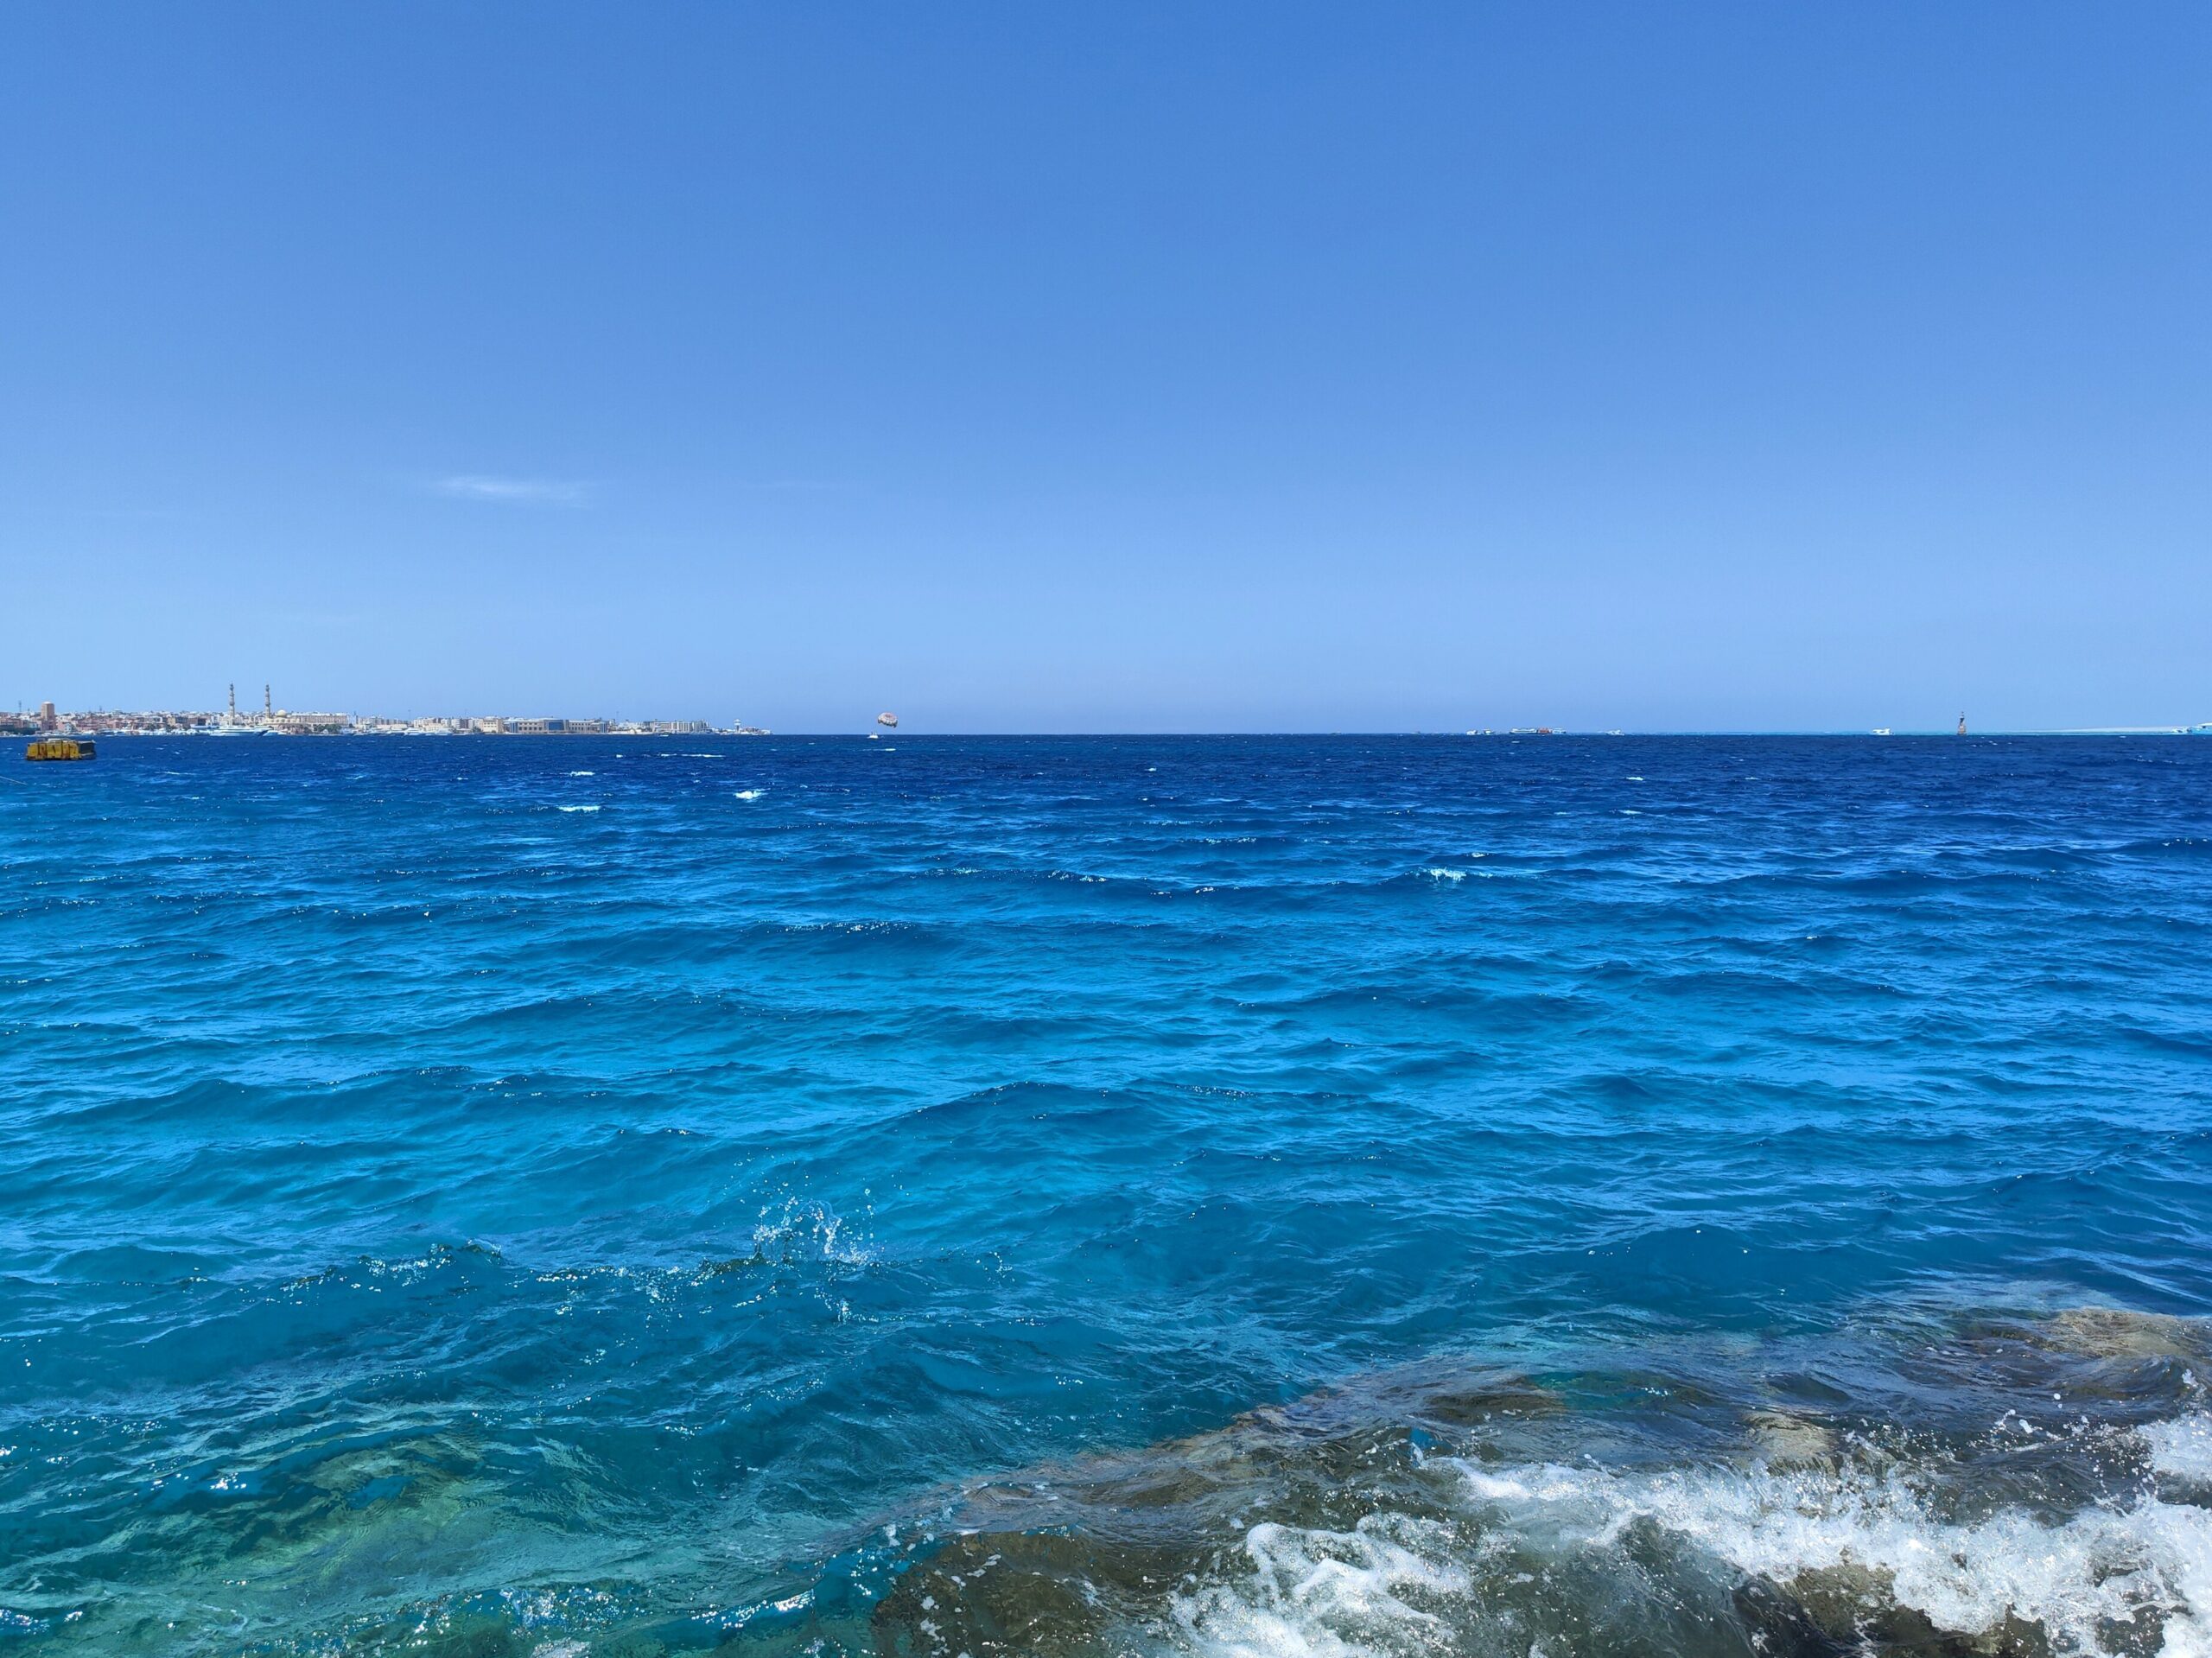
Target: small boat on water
60, 748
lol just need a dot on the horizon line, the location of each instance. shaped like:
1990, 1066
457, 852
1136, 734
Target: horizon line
2176, 730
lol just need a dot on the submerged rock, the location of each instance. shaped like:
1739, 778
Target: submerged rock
1784, 1441
2115, 1332
1937, 1504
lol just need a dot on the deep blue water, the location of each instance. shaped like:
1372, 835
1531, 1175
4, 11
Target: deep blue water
628, 1194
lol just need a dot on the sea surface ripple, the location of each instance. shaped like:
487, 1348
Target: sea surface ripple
656, 1195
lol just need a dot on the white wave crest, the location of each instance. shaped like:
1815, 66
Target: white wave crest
2181, 1449
1968, 1577
750, 794
1399, 1584
1331, 1594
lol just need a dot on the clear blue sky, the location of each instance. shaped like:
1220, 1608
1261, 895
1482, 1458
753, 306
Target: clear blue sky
1113, 367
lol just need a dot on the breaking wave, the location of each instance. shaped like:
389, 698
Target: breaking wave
2021, 1488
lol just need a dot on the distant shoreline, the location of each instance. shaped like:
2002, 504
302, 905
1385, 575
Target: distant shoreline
106, 732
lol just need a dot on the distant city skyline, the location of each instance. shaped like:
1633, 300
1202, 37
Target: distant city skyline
1248, 368
48, 718
270, 718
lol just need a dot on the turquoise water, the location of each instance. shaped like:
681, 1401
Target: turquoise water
1144, 1195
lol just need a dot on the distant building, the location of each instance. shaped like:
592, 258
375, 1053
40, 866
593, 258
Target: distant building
287, 722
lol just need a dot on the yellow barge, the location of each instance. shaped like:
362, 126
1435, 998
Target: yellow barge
59, 748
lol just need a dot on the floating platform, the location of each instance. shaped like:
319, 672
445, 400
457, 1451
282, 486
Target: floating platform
59, 748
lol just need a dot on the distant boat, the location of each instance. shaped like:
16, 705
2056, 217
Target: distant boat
1962, 724
1881, 731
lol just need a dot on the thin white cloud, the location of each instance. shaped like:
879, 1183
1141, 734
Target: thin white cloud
513, 492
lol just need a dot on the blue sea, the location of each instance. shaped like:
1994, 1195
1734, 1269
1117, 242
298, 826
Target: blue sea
1532, 1198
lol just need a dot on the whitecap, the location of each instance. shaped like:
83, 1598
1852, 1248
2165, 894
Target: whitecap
1441, 873
583, 774
2181, 1449
750, 794
1405, 1583
1319, 1592
1966, 1576
579, 809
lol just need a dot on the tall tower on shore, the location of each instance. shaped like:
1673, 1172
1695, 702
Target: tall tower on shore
233, 718
266, 711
